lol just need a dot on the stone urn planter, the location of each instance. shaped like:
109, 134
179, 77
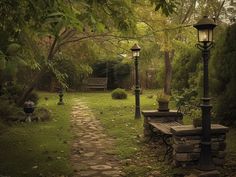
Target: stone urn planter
29, 107
163, 105
197, 122
163, 102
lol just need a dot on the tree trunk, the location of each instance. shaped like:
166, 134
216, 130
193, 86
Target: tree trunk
168, 72
53, 49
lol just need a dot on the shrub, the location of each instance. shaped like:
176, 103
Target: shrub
10, 112
41, 114
14, 91
3, 126
119, 94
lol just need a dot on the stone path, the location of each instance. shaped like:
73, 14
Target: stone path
92, 149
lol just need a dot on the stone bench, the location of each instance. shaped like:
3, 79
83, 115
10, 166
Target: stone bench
158, 124
184, 146
151, 116
163, 130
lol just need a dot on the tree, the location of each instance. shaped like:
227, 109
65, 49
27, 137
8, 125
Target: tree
224, 76
50, 25
165, 31
61, 23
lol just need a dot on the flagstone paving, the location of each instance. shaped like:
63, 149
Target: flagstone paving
91, 154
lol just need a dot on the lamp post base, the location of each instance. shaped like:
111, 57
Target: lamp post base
205, 161
137, 115
60, 103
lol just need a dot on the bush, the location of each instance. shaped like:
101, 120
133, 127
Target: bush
224, 73
119, 94
14, 91
3, 126
10, 112
41, 114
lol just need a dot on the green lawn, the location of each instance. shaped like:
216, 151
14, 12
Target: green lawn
117, 116
34, 149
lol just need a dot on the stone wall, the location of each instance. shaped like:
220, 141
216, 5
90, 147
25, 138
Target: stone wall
186, 145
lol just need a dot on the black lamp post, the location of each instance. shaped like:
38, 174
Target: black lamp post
135, 51
205, 28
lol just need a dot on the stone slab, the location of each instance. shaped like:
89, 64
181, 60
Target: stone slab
101, 167
213, 173
156, 113
190, 130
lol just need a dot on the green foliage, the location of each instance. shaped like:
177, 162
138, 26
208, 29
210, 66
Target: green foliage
121, 72
10, 112
42, 114
116, 70
119, 94
186, 68
223, 64
167, 7
12, 92
12, 49
162, 97
185, 97
187, 102
33, 96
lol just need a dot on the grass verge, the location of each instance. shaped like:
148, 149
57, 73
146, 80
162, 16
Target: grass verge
38, 148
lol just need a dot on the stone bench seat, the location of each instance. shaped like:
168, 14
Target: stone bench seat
165, 127
158, 124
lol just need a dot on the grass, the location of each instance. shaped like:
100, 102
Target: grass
43, 149
117, 116
38, 149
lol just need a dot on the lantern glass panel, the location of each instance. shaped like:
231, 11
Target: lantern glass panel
205, 35
135, 53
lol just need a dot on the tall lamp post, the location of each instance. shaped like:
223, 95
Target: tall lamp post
205, 28
135, 51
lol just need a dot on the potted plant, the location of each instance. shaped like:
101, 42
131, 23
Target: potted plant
197, 122
163, 102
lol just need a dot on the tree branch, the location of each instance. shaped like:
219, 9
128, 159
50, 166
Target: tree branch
187, 15
52, 49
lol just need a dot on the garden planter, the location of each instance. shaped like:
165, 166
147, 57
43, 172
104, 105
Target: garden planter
29, 107
163, 106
